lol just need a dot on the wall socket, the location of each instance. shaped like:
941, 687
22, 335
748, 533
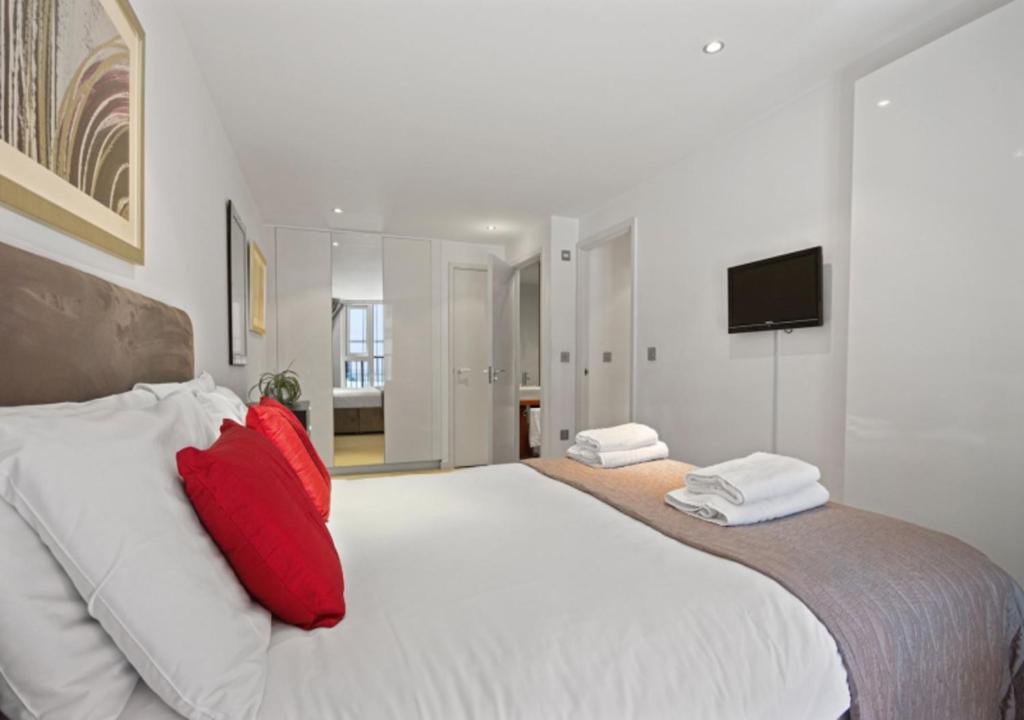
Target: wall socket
652, 354
563, 434
565, 356
567, 255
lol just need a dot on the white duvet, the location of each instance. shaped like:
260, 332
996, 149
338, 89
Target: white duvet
498, 593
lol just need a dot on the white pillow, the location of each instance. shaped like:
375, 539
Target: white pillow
102, 492
203, 383
239, 406
55, 660
220, 403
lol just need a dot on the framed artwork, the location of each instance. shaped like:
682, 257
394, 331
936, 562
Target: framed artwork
257, 290
238, 289
71, 119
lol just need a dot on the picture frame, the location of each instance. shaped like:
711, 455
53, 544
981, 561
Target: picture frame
238, 289
71, 141
257, 290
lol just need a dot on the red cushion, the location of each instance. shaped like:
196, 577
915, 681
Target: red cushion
255, 509
279, 425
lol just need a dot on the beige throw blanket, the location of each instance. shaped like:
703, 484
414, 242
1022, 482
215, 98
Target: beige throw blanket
928, 627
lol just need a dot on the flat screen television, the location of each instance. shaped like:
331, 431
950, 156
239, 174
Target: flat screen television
777, 293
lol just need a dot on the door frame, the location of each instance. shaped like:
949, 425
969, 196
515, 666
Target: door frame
536, 258
452, 267
585, 245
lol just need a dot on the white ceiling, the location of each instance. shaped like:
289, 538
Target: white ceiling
439, 117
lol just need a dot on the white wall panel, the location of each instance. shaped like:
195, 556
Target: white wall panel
409, 351
304, 322
935, 408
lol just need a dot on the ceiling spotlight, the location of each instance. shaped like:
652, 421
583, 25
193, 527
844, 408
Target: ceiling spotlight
884, 103
338, 211
492, 227
335, 243
714, 47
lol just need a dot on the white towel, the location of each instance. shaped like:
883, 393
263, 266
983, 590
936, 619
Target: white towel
757, 477
716, 509
534, 425
618, 458
621, 437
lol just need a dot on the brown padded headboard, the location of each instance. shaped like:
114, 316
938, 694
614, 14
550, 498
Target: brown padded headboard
66, 335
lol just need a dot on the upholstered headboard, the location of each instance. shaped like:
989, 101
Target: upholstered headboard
66, 335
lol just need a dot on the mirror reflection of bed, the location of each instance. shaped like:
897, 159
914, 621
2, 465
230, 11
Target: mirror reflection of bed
357, 342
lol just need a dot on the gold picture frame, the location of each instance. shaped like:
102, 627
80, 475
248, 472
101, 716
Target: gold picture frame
71, 138
257, 290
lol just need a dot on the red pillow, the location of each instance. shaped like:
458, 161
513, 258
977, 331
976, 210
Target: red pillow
279, 425
256, 511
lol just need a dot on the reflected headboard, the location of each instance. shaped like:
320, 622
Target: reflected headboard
66, 335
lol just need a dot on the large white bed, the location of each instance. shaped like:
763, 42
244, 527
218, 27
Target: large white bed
497, 592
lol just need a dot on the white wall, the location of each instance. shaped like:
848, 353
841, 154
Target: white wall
781, 184
191, 173
558, 335
935, 415
304, 321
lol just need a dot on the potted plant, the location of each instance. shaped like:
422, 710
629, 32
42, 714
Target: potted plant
283, 386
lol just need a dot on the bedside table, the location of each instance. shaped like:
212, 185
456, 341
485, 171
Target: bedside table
301, 411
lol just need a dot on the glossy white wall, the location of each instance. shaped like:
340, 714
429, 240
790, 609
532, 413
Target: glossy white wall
935, 402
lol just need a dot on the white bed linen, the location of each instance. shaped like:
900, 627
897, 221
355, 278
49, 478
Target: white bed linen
497, 592
370, 397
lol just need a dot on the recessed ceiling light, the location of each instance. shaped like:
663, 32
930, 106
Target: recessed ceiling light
884, 103
335, 243
338, 211
492, 227
714, 47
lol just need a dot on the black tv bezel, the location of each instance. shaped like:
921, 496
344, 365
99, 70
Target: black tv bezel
784, 324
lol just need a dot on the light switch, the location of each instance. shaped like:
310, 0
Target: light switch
563, 434
606, 356
565, 356
652, 354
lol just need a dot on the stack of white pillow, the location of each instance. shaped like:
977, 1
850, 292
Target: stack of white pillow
108, 575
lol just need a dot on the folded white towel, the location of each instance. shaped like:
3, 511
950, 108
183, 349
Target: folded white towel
750, 479
716, 509
618, 458
621, 437
534, 426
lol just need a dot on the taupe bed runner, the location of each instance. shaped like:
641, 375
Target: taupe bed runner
927, 626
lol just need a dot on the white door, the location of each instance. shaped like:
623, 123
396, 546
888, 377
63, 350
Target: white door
470, 359
504, 413
605, 333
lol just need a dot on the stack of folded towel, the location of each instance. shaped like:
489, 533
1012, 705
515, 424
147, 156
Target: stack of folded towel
750, 490
618, 446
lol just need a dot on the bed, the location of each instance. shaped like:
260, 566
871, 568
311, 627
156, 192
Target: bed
358, 410
502, 592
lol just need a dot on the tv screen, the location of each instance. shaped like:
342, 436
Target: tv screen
778, 293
